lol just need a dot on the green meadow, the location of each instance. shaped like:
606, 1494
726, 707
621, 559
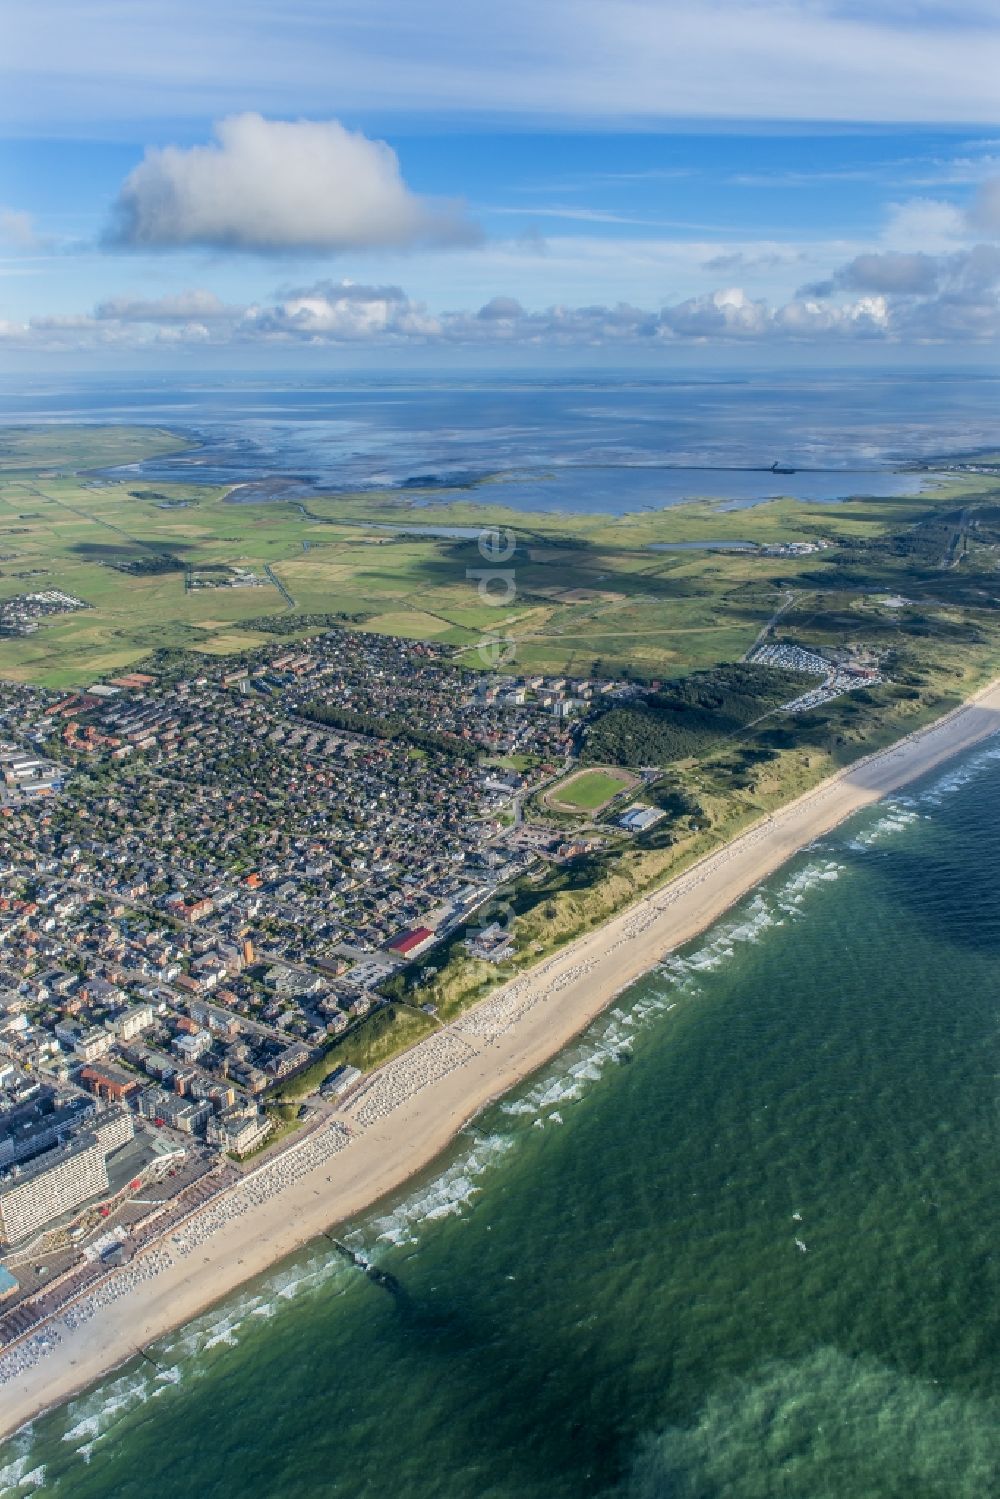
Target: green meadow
589, 594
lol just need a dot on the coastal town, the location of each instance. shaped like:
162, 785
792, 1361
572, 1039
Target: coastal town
499, 715
196, 1221
211, 873
217, 872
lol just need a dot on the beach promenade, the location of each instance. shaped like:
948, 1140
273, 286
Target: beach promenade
407, 1112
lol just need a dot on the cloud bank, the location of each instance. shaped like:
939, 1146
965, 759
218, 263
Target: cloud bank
927, 298
277, 186
948, 293
895, 299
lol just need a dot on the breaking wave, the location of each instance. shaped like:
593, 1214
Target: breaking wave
898, 815
93, 1415
444, 1197
172, 1361
18, 1475
960, 774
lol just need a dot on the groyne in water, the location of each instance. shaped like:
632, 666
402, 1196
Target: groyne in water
364, 1264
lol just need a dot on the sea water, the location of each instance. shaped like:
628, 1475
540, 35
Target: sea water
736, 1242
603, 444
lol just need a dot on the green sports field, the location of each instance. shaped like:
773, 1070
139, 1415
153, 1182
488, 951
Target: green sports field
589, 790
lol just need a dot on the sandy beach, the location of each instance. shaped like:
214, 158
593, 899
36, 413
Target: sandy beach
406, 1113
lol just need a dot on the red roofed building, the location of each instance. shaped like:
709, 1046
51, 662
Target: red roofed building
65, 705
408, 943
108, 1082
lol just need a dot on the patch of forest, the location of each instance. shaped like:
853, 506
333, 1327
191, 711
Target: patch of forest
689, 716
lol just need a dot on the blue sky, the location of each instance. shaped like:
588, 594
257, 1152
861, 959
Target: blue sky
340, 181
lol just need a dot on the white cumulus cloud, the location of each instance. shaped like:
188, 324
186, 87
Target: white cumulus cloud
179, 307
935, 299
278, 185
932, 224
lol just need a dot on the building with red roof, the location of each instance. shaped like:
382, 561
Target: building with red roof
412, 941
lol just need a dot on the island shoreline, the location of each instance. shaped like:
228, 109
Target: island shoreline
561, 995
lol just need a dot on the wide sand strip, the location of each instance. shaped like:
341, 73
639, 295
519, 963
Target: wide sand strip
412, 1107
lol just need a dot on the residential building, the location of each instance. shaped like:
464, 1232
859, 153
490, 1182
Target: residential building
34, 1195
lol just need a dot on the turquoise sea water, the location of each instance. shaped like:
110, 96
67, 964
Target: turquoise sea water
601, 1292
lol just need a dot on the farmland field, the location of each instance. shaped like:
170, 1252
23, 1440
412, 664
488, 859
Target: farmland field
180, 565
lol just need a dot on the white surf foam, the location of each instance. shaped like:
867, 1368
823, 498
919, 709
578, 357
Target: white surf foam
958, 776
17, 1475
448, 1195
896, 818
792, 895
95, 1415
